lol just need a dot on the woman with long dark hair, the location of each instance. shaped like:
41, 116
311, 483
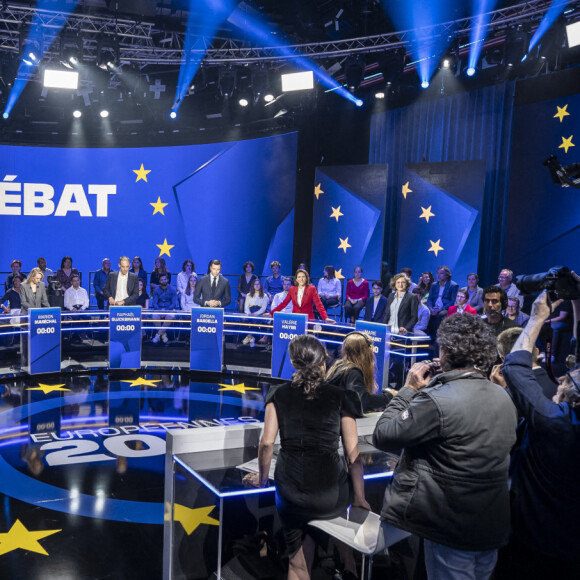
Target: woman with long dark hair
159, 269
312, 480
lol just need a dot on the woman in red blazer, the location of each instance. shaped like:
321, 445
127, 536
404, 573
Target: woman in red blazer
461, 304
303, 296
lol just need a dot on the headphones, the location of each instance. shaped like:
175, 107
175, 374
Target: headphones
367, 338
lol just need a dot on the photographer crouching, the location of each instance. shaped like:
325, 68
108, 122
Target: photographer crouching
456, 429
546, 476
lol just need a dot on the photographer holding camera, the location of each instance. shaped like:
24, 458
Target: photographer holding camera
544, 493
456, 429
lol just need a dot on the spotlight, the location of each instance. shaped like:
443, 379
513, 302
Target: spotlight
470, 71
260, 82
268, 98
227, 81
5, 115
446, 63
71, 48
243, 102
104, 113
354, 72
424, 84
107, 54
77, 114
173, 114
358, 103
379, 95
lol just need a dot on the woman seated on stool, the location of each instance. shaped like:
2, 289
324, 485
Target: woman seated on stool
357, 292
329, 288
255, 303
187, 302
402, 307
312, 481
355, 371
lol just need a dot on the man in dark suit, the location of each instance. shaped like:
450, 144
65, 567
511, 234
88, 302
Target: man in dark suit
376, 304
213, 290
122, 287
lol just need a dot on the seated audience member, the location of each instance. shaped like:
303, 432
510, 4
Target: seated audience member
505, 283
494, 302
401, 310
423, 314
41, 263
65, 274
245, 284
273, 284
376, 304
355, 371
425, 282
33, 292
143, 299
442, 295
256, 303
545, 507
505, 343
75, 297
99, 282
461, 304
475, 293
357, 292
137, 268
213, 289
12, 297
312, 479
513, 312
450, 486
122, 287
409, 273
187, 269
187, 302
278, 298
164, 299
159, 268
329, 288
15, 266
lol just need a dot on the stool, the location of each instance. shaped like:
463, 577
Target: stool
364, 532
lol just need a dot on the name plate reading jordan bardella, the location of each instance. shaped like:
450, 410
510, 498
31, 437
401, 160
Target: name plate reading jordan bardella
44, 340
380, 334
286, 327
207, 329
125, 337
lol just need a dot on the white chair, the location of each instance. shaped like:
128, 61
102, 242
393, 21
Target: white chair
364, 532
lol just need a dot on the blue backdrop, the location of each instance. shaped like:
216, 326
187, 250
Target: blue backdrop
232, 201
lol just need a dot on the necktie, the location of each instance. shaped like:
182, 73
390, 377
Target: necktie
213, 286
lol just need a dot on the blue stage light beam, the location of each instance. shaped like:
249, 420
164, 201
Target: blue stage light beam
204, 18
261, 34
35, 34
550, 17
482, 10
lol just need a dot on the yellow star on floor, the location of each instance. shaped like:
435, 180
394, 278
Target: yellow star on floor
435, 247
562, 112
318, 190
239, 388
158, 206
47, 388
142, 381
141, 173
336, 213
406, 189
191, 519
20, 538
426, 213
566, 144
344, 244
164, 248
338, 274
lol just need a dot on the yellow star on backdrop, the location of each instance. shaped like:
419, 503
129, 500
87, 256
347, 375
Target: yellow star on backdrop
239, 388
318, 190
47, 388
141, 173
426, 213
338, 274
562, 112
566, 143
191, 519
344, 244
435, 247
142, 381
336, 213
164, 248
158, 206
20, 538
406, 189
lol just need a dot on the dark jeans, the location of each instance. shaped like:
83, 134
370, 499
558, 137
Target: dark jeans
351, 311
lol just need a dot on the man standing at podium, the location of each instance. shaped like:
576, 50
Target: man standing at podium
213, 290
122, 287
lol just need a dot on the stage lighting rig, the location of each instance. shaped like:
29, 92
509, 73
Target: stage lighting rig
71, 50
568, 176
107, 53
227, 82
354, 72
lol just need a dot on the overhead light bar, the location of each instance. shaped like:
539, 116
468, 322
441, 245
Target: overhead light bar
573, 34
297, 81
61, 79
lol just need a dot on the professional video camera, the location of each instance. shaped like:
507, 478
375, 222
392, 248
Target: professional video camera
568, 176
54, 287
557, 281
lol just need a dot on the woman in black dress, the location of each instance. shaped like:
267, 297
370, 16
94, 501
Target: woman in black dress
355, 371
312, 480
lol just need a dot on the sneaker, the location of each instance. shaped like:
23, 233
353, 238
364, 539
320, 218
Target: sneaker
247, 340
164, 338
252, 342
156, 338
